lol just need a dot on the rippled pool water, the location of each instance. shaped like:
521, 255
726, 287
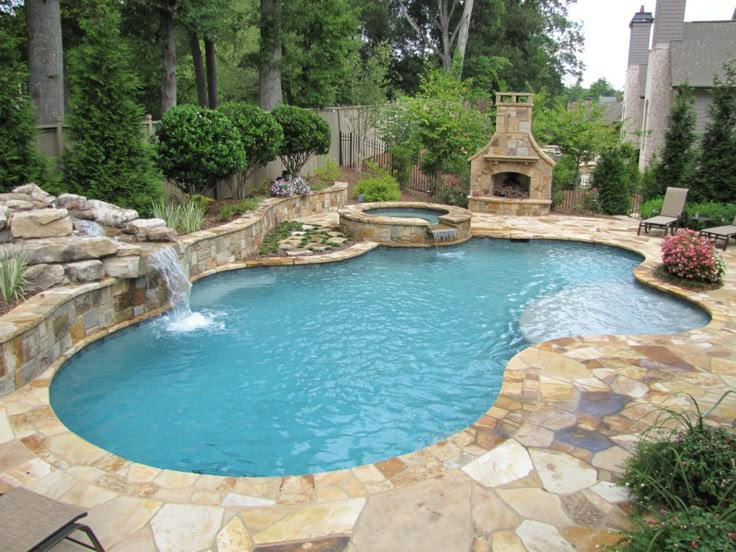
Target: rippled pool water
315, 368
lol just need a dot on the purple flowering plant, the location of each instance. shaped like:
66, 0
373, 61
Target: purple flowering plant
288, 187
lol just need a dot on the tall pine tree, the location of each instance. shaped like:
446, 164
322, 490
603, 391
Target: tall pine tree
716, 178
676, 165
109, 159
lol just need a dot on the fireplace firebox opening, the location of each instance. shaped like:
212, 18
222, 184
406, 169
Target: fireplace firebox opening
511, 185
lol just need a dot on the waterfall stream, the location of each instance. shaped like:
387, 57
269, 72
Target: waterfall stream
180, 318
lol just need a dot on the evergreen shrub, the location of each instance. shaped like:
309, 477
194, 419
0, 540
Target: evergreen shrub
109, 159
305, 134
610, 179
197, 145
20, 163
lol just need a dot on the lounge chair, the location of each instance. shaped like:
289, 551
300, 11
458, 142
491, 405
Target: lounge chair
721, 233
669, 218
32, 522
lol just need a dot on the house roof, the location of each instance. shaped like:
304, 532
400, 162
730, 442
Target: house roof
705, 47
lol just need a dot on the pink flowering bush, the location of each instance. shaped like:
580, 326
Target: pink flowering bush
451, 190
690, 256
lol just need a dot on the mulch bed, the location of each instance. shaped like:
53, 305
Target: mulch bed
684, 283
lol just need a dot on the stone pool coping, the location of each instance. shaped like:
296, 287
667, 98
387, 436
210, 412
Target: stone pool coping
535, 471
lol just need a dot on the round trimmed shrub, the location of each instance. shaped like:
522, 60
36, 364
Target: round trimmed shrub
260, 132
305, 134
198, 145
692, 257
378, 188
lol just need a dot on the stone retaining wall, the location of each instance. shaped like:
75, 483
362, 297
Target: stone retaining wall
58, 322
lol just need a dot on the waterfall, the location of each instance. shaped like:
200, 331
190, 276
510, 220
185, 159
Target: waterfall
440, 235
181, 318
88, 228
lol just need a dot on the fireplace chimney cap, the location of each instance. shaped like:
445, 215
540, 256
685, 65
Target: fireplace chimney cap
515, 98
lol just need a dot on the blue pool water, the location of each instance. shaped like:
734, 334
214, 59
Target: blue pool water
314, 368
430, 215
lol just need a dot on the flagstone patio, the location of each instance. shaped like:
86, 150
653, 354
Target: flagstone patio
534, 474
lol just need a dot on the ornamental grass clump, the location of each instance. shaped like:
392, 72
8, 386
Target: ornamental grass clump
13, 266
692, 257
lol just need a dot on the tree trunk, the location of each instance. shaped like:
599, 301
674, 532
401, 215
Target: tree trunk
270, 69
462, 37
45, 59
209, 52
198, 69
168, 58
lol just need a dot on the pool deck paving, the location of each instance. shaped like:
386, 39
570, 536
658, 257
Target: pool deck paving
535, 473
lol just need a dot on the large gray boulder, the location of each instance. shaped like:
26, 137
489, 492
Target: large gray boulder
71, 202
3, 216
68, 250
41, 223
108, 214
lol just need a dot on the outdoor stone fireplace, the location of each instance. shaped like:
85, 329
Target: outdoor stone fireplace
511, 175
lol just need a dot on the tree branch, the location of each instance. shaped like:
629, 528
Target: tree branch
417, 29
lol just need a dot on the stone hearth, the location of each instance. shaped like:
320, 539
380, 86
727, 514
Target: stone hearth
511, 175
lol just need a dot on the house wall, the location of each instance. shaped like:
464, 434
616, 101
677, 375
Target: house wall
658, 103
633, 114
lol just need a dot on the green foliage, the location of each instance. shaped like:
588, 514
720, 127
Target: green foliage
452, 190
327, 174
681, 459
305, 134
377, 185
564, 174
260, 133
20, 163
610, 178
13, 266
651, 207
270, 244
677, 159
230, 210
184, 217
440, 121
109, 160
319, 42
197, 146
685, 528
721, 213
582, 132
648, 182
261, 136
683, 475
716, 177
402, 163
202, 201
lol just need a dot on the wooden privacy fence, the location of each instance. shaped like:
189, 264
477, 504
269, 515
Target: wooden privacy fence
355, 151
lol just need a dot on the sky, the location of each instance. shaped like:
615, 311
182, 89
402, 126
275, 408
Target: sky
606, 29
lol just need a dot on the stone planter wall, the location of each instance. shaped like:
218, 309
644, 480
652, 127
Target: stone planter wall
58, 322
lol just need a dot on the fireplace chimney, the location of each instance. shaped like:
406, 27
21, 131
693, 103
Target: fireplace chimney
641, 30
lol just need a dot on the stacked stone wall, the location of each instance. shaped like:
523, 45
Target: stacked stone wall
56, 323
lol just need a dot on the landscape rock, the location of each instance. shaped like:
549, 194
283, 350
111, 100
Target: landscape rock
3, 216
142, 226
71, 201
44, 276
85, 271
88, 228
111, 215
68, 250
122, 267
84, 214
164, 234
17, 204
37, 193
41, 223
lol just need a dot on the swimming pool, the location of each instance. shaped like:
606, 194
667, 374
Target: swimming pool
315, 368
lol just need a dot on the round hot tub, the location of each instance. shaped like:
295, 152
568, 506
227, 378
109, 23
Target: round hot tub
407, 224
